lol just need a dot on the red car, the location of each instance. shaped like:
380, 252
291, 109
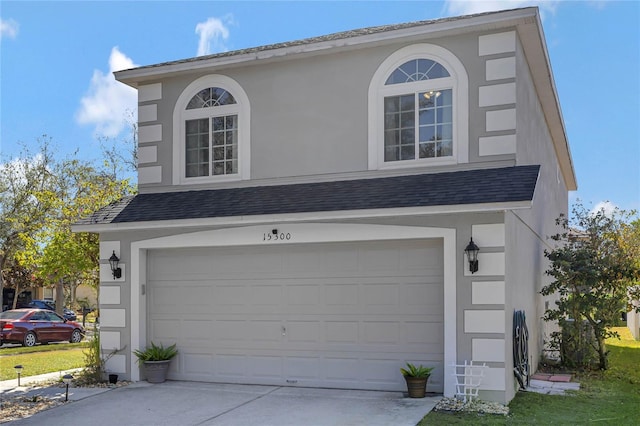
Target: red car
31, 326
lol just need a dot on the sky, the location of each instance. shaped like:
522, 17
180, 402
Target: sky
57, 60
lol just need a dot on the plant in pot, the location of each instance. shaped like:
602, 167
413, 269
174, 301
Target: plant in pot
156, 360
416, 378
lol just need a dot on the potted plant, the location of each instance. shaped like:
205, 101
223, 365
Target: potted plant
416, 378
156, 360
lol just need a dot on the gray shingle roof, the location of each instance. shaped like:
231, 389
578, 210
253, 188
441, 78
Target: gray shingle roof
324, 38
483, 186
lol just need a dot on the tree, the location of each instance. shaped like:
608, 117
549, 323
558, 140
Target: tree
21, 212
40, 198
592, 272
64, 257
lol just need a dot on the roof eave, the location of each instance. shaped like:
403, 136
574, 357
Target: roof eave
491, 21
301, 217
533, 42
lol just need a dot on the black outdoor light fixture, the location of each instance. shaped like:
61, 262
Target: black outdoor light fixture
472, 254
67, 380
113, 261
18, 369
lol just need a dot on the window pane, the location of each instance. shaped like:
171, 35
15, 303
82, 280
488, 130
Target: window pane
445, 148
230, 153
231, 121
230, 137
427, 116
407, 119
218, 168
407, 137
218, 154
427, 133
192, 141
407, 103
446, 115
218, 138
445, 132
427, 150
417, 70
391, 153
391, 104
218, 123
192, 170
445, 98
407, 152
391, 121
391, 137
197, 147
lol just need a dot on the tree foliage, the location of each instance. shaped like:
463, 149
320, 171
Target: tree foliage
22, 212
44, 196
592, 269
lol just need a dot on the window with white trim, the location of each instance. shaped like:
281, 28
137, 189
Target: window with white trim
211, 132
211, 136
418, 109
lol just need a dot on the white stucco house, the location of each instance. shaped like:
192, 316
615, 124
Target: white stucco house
304, 207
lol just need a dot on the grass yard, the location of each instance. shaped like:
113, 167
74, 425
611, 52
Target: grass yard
610, 397
41, 359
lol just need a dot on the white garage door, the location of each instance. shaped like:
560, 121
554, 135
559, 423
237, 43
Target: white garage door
344, 315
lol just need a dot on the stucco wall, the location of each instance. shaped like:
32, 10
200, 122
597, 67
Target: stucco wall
308, 113
528, 231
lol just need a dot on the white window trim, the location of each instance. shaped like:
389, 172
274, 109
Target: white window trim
181, 114
458, 82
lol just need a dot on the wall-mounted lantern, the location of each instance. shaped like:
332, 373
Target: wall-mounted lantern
472, 255
113, 261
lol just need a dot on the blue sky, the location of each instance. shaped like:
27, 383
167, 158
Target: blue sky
57, 59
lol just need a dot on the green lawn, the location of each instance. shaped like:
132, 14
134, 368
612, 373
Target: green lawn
41, 359
611, 397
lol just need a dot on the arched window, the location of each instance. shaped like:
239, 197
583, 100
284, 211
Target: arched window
418, 105
211, 128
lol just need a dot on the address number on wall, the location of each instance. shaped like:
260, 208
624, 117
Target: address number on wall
276, 236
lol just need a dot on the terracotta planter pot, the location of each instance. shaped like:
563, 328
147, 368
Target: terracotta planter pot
416, 386
156, 371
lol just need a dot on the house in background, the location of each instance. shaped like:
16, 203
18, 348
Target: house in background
304, 207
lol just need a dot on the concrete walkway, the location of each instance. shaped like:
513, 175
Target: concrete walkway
193, 403
552, 384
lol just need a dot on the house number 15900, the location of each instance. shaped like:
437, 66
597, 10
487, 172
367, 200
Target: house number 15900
275, 236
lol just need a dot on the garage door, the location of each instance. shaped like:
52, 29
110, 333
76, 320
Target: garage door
344, 315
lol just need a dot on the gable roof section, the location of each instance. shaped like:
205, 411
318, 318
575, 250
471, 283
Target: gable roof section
526, 21
484, 186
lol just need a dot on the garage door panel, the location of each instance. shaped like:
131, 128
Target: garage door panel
330, 315
266, 367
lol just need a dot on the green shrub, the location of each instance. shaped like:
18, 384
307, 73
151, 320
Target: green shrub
156, 353
416, 371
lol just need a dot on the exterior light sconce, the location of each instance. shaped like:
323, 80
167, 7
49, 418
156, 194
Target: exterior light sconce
67, 378
472, 255
18, 369
113, 261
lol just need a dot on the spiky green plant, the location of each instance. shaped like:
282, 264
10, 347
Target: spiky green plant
156, 353
416, 371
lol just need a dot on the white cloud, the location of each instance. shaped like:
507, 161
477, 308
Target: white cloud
605, 206
8, 28
108, 101
468, 7
213, 35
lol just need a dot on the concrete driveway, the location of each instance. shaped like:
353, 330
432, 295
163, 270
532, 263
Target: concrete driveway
192, 403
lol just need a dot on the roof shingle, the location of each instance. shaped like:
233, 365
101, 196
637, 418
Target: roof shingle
482, 186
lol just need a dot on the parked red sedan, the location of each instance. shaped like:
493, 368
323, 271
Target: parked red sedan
31, 326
